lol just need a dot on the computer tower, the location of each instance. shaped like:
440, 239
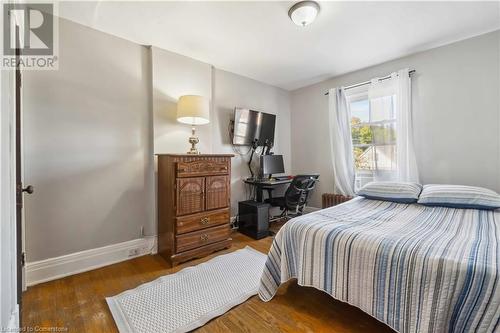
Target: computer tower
253, 219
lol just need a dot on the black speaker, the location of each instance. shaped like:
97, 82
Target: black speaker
253, 219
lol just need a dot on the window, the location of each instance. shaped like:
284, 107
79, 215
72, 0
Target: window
373, 132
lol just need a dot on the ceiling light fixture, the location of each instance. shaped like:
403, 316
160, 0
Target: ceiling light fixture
304, 12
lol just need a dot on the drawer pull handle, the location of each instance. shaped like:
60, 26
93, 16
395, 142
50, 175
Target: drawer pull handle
204, 220
204, 237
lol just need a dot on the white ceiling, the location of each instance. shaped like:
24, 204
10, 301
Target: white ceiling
257, 39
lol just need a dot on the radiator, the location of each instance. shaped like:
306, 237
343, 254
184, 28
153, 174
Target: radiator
331, 199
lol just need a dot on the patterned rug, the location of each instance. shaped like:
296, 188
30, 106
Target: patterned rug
188, 299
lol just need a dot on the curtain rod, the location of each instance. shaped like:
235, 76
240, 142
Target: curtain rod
368, 82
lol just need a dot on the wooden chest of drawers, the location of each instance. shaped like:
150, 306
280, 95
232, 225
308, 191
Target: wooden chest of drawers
193, 205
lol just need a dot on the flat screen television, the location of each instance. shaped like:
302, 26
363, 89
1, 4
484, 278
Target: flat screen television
253, 126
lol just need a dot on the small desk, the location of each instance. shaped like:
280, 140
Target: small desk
266, 184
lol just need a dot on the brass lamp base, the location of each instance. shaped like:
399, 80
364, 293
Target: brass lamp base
193, 140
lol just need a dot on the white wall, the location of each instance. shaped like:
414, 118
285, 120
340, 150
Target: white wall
456, 111
88, 150
231, 90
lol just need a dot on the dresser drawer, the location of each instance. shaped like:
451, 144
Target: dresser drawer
201, 221
202, 168
199, 238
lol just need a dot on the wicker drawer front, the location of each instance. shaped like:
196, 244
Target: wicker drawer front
202, 168
190, 196
201, 221
196, 239
217, 192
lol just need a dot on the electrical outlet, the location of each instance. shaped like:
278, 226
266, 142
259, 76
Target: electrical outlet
234, 222
142, 231
133, 252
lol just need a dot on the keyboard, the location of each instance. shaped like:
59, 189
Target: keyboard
270, 181
282, 178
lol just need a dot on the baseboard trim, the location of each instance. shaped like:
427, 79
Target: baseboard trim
78, 262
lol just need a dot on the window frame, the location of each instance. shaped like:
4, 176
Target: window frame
361, 94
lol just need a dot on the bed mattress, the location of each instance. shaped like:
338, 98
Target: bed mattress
415, 268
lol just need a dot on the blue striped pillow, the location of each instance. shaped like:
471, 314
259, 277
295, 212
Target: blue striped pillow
403, 192
459, 196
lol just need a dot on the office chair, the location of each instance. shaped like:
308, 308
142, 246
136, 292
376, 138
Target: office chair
295, 198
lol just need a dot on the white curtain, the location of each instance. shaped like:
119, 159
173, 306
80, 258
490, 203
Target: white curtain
379, 92
406, 161
341, 142
383, 153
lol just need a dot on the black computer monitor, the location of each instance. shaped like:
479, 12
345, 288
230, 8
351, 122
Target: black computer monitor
271, 164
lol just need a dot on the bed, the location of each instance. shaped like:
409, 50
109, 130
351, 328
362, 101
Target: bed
414, 268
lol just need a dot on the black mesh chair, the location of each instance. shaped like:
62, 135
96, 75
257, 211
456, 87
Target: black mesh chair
296, 195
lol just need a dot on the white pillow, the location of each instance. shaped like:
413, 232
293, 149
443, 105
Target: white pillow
459, 196
402, 192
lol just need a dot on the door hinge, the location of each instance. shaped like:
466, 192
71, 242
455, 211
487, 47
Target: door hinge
23, 259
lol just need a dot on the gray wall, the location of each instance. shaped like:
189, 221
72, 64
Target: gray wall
230, 90
175, 75
88, 150
456, 112
90, 128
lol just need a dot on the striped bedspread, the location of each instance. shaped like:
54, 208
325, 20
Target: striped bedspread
415, 268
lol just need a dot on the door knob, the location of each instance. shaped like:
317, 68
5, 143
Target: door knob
28, 189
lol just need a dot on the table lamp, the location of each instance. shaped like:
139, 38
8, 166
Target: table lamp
193, 110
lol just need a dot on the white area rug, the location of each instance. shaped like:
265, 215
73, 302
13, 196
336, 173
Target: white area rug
188, 299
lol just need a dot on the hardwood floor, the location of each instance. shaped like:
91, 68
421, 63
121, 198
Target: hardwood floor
78, 302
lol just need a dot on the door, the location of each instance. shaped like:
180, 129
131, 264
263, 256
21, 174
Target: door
190, 195
217, 188
19, 185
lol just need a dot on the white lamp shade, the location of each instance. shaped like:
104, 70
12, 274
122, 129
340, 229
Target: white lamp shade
193, 110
